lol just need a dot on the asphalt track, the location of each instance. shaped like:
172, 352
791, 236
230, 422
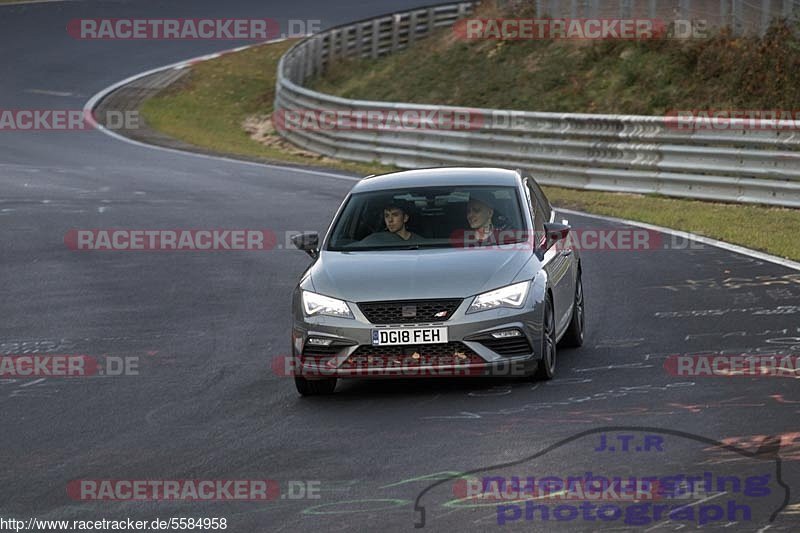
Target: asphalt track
205, 326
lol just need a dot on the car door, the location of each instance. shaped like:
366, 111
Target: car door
557, 260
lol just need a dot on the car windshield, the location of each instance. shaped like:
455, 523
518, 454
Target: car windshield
429, 217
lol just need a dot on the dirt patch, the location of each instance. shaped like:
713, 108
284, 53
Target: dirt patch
261, 129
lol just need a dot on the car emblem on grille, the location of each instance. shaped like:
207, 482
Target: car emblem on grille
409, 311
440, 314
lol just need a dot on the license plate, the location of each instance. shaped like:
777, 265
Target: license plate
392, 337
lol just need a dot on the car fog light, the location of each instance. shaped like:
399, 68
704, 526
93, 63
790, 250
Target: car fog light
508, 333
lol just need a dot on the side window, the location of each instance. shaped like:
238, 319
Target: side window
536, 210
543, 201
529, 196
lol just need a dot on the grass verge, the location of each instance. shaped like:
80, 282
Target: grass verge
210, 108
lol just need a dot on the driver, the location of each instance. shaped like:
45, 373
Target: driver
395, 217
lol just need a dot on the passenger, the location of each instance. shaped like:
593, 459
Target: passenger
487, 226
479, 218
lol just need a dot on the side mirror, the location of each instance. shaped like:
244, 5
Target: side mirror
555, 232
308, 242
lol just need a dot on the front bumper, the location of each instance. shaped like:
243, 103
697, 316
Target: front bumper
470, 350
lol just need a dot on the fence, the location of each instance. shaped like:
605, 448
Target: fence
641, 154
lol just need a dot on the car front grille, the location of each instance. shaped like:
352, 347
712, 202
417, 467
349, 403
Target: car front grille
451, 353
415, 311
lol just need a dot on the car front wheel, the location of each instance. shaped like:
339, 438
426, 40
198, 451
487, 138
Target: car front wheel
547, 365
577, 326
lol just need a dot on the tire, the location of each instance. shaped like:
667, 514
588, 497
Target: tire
547, 364
573, 337
315, 387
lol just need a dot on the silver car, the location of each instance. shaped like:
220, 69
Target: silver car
437, 272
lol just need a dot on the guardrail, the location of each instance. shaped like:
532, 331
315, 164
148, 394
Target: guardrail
623, 153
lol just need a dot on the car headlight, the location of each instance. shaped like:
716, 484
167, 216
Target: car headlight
509, 296
316, 304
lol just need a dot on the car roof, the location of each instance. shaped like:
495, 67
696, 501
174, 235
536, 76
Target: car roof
439, 176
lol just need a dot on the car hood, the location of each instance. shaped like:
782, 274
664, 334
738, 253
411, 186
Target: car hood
415, 274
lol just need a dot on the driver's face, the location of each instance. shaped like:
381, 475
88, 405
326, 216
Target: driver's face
395, 219
478, 214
